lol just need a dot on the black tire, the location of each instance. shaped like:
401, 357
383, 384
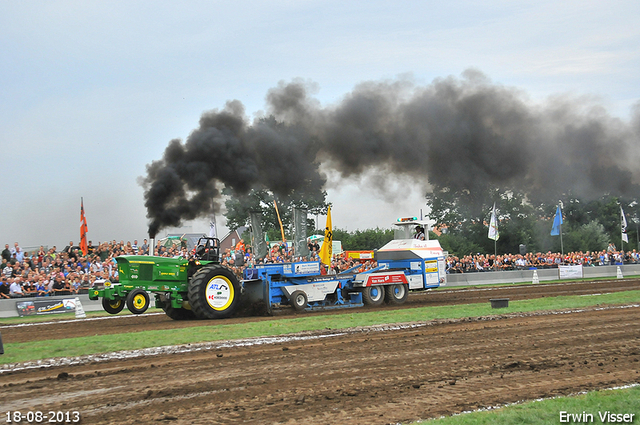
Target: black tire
298, 300
396, 294
138, 301
112, 306
177, 313
214, 292
373, 295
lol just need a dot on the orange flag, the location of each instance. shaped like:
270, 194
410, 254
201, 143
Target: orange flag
83, 230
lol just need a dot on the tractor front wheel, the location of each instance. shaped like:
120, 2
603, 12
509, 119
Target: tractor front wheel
112, 306
138, 301
214, 292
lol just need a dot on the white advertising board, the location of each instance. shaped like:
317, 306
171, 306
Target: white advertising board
570, 272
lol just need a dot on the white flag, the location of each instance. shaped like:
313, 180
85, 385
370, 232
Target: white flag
493, 225
623, 226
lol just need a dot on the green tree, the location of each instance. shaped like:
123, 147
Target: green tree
457, 245
466, 216
261, 200
363, 240
587, 237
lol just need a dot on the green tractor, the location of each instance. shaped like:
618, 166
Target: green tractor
200, 288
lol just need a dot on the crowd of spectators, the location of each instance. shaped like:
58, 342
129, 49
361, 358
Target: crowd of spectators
280, 253
483, 263
46, 272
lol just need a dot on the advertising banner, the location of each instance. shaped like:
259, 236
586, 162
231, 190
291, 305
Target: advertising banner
301, 249
32, 307
570, 272
260, 248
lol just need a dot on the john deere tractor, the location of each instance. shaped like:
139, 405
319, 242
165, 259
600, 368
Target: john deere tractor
200, 288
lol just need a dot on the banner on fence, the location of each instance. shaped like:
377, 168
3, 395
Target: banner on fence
570, 272
31, 307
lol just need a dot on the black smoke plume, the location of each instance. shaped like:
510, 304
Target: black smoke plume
456, 133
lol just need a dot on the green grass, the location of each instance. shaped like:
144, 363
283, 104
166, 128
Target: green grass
211, 331
548, 411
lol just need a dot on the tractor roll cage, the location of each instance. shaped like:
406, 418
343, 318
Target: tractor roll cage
208, 249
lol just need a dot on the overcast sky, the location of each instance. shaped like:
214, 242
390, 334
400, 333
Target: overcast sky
92, 92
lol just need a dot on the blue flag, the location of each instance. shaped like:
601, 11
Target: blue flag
557, 221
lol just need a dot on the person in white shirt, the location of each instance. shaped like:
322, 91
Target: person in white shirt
15, 289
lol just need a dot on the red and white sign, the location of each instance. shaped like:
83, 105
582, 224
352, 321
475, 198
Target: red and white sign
386, 279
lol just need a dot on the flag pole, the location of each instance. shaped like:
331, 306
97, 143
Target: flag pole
284, 241
493, 233
561, 244
213, 226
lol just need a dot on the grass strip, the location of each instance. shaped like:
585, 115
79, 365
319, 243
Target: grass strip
543, 412
210, 331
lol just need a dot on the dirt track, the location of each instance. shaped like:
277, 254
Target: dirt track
127, 323
365, 376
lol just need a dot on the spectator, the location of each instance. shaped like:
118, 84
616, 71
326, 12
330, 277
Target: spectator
7, 271
4, 288
29, 288
67, 249
6, 253
313, 247
15, 289
59, 286
41, 289
19, 255
75, 284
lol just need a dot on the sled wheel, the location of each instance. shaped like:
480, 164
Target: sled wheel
396, 294
214, 292
138, 301
298, 300
112, 306
373, 295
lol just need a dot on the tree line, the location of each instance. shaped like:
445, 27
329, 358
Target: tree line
588, 224
461, 221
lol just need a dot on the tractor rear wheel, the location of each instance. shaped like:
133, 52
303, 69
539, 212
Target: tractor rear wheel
397, 294
373, 295
138, 301
214, 292
112, 306
298, 300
